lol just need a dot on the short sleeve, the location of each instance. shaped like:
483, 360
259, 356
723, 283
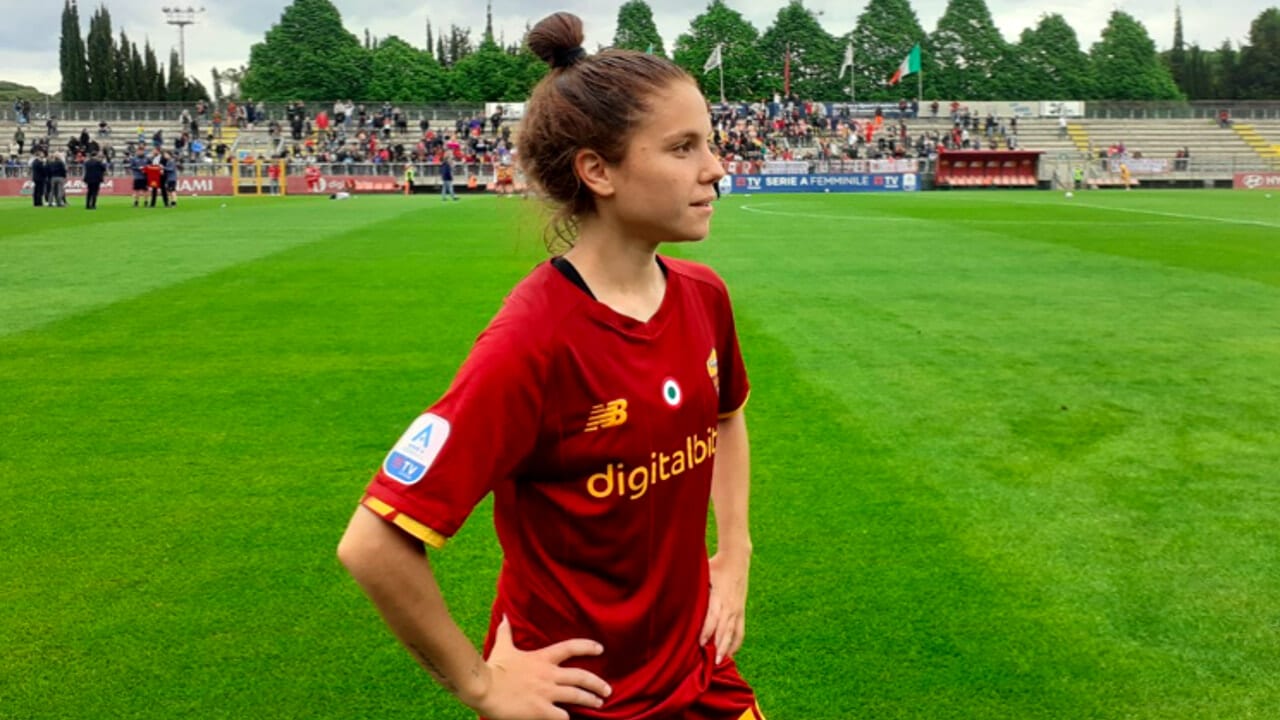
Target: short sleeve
478, 433
734, 387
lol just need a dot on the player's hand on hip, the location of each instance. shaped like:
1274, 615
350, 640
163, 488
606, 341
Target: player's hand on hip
727, 607
529, 685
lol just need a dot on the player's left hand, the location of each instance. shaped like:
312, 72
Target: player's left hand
727, 607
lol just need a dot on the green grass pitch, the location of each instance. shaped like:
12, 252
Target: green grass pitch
1015, 456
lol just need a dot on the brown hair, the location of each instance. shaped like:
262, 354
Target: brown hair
585, 102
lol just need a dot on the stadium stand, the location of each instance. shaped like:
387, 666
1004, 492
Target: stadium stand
1159, 151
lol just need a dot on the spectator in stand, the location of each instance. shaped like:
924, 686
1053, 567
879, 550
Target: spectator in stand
20, 138
1224, 118
1062, 127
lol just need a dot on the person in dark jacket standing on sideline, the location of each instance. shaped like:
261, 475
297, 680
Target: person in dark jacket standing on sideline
57, 172
94, 171
38, 178
446, 180
170, 166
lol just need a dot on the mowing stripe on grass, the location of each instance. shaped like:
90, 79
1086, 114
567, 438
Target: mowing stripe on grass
57, 265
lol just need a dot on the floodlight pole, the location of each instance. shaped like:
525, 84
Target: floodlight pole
181, 17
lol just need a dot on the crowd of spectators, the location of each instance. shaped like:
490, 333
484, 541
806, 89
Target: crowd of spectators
798, 130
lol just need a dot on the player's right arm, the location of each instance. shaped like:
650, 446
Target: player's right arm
392, 568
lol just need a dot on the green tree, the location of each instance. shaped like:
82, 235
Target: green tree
814, 54
458, 45
218, 95
967, 51
1226, 72
1125, 64
102, 57
308, 55
636, 29
884, 34
138, 74
485, 75
1260, 59
527, 69
151, 75
194, 90
1197, 83
124, 83
175, 89
71, 56
740, 53
1055, 65
402, 73
1176, 58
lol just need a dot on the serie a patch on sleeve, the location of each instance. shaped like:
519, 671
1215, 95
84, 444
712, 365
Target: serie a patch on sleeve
417, 448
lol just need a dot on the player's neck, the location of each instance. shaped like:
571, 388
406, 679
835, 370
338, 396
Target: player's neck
622, 272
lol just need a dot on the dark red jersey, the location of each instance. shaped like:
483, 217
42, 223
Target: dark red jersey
154, 174
596, 434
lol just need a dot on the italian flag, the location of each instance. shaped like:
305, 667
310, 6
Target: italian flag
910, 64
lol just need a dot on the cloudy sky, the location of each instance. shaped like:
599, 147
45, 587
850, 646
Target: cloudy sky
223, 34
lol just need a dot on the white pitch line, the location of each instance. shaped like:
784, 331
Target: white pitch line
1139, 211
891, 219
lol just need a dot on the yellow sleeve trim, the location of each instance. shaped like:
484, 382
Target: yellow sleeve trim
731, 413
420, 531
404, 522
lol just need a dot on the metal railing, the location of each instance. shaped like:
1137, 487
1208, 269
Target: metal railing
117, 112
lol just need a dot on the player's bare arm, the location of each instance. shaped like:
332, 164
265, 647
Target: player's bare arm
394, 572
730, 566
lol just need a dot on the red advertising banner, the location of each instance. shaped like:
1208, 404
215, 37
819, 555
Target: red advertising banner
356, 184
14, 187
1257, 181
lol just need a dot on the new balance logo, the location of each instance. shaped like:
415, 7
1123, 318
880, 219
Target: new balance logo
607, 415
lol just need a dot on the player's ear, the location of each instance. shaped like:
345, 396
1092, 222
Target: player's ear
593, 171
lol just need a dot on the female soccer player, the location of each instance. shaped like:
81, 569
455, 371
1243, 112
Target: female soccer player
603, 409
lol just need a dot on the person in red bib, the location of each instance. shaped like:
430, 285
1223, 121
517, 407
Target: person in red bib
154, 172
603, 409
312, 175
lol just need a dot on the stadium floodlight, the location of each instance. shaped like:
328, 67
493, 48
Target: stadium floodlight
182, 17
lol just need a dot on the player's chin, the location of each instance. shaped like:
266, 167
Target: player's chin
690, 234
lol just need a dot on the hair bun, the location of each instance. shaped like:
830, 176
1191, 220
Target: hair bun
557, 39
566, 58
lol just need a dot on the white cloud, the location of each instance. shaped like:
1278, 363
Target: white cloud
224, 33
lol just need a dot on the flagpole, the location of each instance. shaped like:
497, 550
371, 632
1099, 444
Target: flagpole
853, 80
920, 87
721, 46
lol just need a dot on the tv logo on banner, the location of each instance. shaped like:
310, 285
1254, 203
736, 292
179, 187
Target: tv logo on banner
847, 183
